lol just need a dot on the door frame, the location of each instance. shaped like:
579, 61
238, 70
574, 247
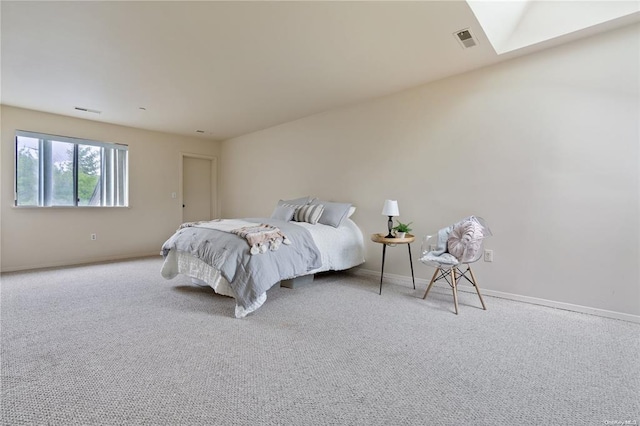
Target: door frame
214, 182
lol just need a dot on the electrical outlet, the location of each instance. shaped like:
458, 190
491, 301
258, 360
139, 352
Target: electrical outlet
488, 255
94, 237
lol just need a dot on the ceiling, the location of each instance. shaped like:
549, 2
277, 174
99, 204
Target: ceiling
230, 68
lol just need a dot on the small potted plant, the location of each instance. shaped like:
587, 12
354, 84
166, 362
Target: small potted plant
402, 229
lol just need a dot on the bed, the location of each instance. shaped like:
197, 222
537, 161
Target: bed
243, 258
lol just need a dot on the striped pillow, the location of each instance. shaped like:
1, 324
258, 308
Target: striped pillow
309, 213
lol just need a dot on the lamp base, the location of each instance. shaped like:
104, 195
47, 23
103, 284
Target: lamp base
390, 226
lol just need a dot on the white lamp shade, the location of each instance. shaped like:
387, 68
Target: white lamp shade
390, 208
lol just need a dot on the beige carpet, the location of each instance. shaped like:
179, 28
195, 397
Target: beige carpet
115, 344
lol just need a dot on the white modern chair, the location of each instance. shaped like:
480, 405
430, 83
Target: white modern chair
456, 247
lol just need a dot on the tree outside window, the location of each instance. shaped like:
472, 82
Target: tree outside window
62, 171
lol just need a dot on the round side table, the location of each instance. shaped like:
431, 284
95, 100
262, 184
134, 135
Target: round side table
382, 239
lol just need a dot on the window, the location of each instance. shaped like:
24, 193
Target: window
63, 171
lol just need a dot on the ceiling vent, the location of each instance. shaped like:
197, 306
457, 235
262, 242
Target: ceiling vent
93, 111
465, 38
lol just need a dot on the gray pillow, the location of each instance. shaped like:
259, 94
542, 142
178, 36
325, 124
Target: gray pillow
297, 201
284, 212
333, 213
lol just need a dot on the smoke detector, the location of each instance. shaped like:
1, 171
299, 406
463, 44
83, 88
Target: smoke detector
465, 38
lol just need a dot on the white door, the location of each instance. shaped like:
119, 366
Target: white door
197, 190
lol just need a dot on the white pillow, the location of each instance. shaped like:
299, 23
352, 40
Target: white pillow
465, 240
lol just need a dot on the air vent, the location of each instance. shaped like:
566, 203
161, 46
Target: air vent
465, 38
94, 111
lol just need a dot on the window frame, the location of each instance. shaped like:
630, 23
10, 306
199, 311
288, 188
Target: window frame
116, 166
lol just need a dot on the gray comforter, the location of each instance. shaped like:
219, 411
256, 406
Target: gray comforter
249, 275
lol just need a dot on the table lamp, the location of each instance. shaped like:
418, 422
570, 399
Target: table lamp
390, 209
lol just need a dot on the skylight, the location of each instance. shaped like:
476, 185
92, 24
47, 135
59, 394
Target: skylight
514, 24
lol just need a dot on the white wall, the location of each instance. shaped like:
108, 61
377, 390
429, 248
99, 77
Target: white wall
33, 237
544, 147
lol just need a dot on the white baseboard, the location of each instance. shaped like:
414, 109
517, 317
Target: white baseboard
80, 262
404, 280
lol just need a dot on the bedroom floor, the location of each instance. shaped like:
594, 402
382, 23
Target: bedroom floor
115, 343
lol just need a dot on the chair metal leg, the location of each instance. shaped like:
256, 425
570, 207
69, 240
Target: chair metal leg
454, 287
433, 280
475, 284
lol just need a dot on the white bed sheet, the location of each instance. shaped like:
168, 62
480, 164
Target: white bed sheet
340, 248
